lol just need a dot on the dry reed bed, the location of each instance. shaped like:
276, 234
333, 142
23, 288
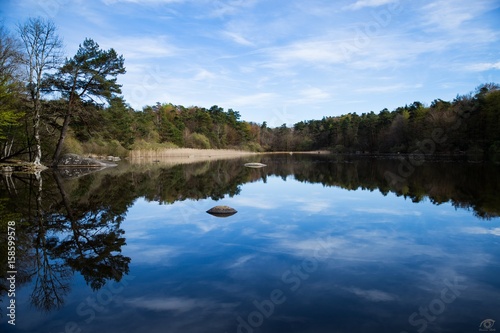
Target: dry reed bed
182, 155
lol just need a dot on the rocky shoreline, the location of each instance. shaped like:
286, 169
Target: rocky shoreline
66, 161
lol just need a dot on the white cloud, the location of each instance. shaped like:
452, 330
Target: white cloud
373, 295
360, 4
253, 99
310, 51
386, 211
389, 88
151, 254
317, 247
142, 2
314, 93
482, 231
451, 15
231, 7
203, 74
314, 205
446, 14
177, 304
237, 38
242, 260
254, 202
484, 66
349, 49
142, 47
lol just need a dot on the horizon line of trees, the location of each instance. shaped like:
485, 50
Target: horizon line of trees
50, 106
468, 125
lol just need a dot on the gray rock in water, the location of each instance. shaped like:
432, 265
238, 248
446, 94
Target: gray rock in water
77, 171
254, 165
221, 211
72, 160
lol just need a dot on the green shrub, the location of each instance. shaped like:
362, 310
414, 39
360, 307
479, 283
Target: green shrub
197, 140
339, 149
98, 146
144, 145
72, 146
253, 146
115, 148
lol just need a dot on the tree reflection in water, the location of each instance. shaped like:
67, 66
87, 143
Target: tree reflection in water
59, 234
66, 225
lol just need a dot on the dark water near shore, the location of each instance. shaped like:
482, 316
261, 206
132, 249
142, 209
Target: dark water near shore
318, 245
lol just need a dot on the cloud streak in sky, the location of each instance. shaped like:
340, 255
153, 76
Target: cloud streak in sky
360, 4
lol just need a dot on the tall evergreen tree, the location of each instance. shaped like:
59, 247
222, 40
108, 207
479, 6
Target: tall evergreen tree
91, 74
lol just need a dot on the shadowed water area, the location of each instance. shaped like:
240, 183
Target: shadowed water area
319, 244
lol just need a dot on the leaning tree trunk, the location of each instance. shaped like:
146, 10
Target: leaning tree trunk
62, 136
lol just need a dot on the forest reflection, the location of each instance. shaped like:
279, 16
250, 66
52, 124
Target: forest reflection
67, 225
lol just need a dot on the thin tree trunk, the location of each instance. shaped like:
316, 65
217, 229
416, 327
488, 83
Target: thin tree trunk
8, 148
38, 143
28, 140
62, 136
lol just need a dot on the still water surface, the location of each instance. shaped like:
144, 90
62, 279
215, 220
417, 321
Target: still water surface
318, 245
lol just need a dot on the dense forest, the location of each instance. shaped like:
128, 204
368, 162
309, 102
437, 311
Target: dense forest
467, 125
50, 106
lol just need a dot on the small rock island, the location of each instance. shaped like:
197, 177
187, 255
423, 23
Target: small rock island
222, 211
254, 165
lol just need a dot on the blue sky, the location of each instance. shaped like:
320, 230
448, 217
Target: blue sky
285, 60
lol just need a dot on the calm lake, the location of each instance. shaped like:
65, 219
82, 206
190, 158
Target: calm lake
319, 244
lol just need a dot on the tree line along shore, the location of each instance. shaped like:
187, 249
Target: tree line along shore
51, 104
